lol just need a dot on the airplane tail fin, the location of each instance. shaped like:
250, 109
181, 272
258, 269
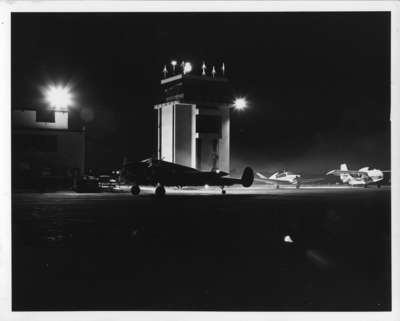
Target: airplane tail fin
345, 178
247, 177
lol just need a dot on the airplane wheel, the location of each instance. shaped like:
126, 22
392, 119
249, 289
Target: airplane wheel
135, 189
160, 191
297, 186
277, 186
365, 186
223, 192
379, 185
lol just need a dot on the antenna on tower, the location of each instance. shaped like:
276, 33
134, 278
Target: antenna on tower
165, 71
203, 67
213, 72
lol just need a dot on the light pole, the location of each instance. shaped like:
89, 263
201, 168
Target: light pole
59, 98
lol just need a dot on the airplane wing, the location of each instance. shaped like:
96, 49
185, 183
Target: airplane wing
228, 181
311, 180
264, 179
338, 172
170, 167
261, 176
267, 180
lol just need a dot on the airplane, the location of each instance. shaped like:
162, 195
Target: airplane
363, 177
160, 173
286, 178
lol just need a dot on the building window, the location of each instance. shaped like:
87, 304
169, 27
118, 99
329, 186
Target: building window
35, 143
45, 143
46, 116
22, 143
208, 124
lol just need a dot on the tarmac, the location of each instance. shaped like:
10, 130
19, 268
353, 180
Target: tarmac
317, 248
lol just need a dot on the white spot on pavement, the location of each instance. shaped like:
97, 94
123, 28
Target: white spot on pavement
288, 239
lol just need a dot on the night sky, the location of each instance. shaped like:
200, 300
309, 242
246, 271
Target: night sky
318, 83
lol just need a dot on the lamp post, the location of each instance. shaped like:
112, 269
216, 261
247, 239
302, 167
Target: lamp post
173, 63
59, 98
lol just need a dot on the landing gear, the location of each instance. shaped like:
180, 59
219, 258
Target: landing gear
297, 185
223, 191
160, 190
379, 185
135, 189
277, 186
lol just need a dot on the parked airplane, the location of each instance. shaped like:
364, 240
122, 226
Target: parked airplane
363, 177
160, 173
286, 178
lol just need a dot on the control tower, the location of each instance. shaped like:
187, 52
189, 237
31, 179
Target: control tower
193, 118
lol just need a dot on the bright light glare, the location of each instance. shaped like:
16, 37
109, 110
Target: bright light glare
187, 67
59, 97
240, 103
173, 63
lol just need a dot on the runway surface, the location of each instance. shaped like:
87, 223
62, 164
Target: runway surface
259, 249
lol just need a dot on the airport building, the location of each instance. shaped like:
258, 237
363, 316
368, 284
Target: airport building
194, 119
44, 146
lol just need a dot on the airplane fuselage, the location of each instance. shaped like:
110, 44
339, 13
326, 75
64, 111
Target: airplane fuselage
362, 177
287, 178
281, 178
161, 173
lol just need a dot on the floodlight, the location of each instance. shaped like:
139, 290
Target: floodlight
58, 96
187, 67
240, 103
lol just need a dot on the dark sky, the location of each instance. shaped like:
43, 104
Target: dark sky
318, 83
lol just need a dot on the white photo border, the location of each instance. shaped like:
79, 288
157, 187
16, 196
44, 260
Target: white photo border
6, 8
